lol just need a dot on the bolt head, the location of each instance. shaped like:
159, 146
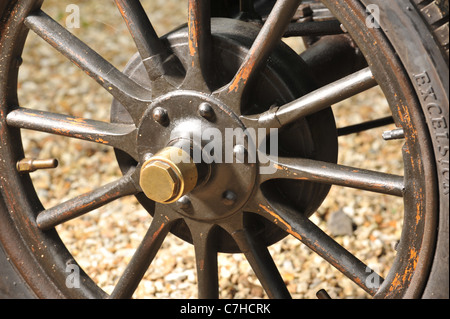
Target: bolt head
206, 111
159, 181
168, 175
229, 198
161, 116
184, 202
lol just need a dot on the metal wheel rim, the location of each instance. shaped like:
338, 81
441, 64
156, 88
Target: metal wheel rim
398, 281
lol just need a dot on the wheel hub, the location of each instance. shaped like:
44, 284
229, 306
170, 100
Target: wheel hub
207, 180
195, 156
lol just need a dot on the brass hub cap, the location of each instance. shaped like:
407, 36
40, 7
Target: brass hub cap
168, 175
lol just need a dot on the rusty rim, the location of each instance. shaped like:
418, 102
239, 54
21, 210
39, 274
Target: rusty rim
175, 78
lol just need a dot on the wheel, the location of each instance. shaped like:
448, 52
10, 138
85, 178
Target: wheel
227, 138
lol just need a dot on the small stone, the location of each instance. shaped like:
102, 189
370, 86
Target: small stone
340, 224
175, 277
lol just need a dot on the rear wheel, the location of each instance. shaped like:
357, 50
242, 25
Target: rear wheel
224, 75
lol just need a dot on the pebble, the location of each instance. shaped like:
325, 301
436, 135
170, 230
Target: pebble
340, 224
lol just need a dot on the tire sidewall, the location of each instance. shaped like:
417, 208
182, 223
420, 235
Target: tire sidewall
428, 71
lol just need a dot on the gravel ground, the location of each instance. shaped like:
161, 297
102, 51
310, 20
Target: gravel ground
104, 241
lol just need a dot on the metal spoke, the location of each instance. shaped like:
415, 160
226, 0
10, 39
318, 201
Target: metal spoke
131, 95
313, 102
86, 203
143, 256
206, 260
313, 29
317, 240
269, 36
119, 136
200, 45
330, 173
157, 58
365, 126
261, 262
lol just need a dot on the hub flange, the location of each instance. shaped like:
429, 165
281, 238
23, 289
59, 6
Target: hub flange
198, 143
179, 115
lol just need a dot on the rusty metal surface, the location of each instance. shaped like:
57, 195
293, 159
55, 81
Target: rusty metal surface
171, 90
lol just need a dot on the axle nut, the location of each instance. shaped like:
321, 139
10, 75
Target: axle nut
159, 181
168, 175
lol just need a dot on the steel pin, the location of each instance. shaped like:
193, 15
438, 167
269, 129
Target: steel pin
394, 134
28, 165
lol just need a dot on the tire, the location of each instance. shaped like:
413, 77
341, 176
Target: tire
408, 54
434, 15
